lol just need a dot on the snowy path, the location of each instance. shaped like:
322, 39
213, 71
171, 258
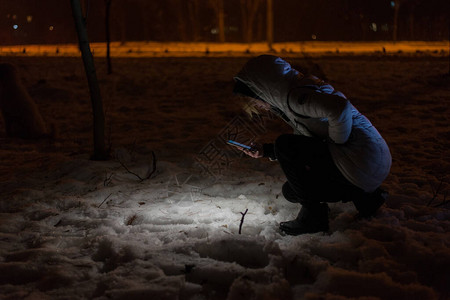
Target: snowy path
71, 228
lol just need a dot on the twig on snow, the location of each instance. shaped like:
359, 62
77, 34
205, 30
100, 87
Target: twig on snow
436, 192
108, 179
242, 220
104, 200
131, 220
149, 173
444, 201
129, 171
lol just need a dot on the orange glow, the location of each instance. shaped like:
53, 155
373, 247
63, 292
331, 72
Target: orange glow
151, 49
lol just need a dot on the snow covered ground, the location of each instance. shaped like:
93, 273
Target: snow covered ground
74, 228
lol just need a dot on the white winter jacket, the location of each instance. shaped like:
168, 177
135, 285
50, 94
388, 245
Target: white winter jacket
313, 108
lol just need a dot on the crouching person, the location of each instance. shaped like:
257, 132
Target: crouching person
335, 153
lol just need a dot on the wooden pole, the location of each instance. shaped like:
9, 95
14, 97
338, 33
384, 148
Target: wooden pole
96, 99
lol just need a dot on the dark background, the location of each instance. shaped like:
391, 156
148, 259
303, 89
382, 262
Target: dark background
50, 21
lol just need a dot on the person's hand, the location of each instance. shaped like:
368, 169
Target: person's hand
256, 151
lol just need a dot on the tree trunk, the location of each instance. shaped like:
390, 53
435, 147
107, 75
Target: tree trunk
250, 21
193, 8
145, 12
108, 36
261, 30
221, 19
123, 24
395, 27
269, 23
217, 6
411, 26
244, 20
96, 99
178, 5
249, 9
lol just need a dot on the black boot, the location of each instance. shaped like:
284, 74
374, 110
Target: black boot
309, 220
368, 204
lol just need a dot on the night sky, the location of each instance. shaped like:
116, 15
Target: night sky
160, 216
50, 21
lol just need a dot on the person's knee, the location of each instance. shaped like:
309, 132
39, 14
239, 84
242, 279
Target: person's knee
291, 146
283, 139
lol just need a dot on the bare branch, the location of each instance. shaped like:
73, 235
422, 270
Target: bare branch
129, 171
108, 179
444, 201
150, 173
435, 191
242, 220
153, 166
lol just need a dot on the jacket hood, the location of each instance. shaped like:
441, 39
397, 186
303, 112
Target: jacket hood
269, 77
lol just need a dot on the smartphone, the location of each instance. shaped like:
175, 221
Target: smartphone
236, 144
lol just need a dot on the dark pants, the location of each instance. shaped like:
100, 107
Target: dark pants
312, 176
